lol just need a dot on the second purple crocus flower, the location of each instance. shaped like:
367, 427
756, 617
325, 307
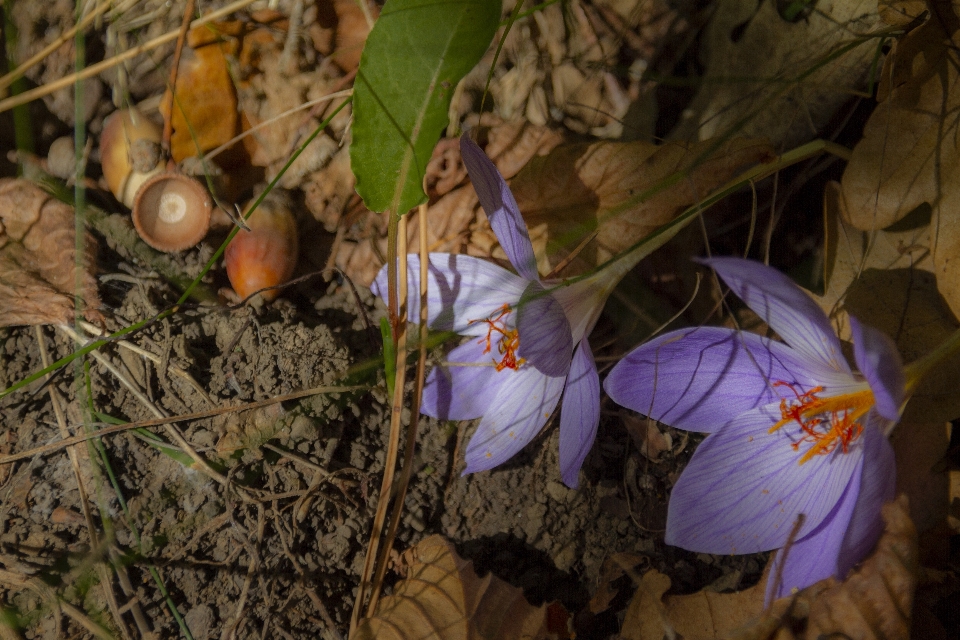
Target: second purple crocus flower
792, 430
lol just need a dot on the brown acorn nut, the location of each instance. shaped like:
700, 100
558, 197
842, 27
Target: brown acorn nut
129, 152
266, 255
172, 212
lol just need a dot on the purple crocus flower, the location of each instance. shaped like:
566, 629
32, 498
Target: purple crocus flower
792, 430
529, 341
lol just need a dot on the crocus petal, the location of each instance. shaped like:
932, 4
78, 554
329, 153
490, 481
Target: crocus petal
815, 557
521, 407
784, 306
462, 290
579, 414
743, 488
544, 332
700, 379
877, 486
501, 208
464, 392
879, 362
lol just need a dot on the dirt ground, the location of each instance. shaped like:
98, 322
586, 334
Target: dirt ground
274, 548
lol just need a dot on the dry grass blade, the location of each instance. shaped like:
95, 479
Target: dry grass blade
11, 77
95, 69
393, 448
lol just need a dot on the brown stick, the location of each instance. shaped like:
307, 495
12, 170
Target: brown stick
174, 70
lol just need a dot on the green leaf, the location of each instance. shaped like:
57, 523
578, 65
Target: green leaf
415, 55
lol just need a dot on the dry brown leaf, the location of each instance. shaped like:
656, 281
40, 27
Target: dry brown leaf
443, 599
920, 448
908, 154
751, 52
884, 277
875, 600
901, 12
352, 32
205, 113
704, 614
872, 603
453, 218
614, 567
646, 436
38, 270
570, 193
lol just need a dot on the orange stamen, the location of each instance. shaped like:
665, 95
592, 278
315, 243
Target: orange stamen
826, 423
507, 345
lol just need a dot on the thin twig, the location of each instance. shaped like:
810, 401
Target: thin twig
172, 431
140, 351
143, 424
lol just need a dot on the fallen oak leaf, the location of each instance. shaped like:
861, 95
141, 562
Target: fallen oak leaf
583, 189
908, 152
701, 615
873, 602
205, 111
38, 269
443, 599
887, 275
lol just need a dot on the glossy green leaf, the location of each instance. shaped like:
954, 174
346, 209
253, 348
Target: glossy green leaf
415, 55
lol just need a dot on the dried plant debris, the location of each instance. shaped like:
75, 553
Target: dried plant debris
765, 74
873, 602
443, 599
558, 65
40, 272
909, 156
454, 210
578, 190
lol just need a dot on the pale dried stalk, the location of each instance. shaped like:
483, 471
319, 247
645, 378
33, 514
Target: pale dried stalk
172, 431
140, 351
104, 575
51, 87
396, 410
407, 470
200, 415
11, 77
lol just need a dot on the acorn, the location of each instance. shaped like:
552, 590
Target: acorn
172, 212
129, 152
266, 255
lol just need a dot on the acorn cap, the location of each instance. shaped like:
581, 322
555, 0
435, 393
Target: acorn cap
172, 212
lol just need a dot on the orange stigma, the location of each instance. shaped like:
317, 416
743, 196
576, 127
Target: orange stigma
826, 423
507, 345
